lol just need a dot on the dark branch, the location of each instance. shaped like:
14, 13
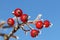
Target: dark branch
4, 35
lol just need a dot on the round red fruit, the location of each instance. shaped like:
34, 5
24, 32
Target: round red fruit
39, 24
18, 12
46, 23
34, 33
24, 18
10, 22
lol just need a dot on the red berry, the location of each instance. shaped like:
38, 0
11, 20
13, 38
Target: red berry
24, 18
46, 23
10, 22
34, 33
18, 12
39, 24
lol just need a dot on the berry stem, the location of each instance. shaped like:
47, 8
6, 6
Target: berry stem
29, 26
5, 27
25, 30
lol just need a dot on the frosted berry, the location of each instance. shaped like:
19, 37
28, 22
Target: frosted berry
24, 18
46, 23
18, 12
10, 22
34, 33
39, 24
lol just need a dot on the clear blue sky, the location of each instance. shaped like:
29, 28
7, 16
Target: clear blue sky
50, 9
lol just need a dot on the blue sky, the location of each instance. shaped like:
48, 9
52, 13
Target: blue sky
50, 9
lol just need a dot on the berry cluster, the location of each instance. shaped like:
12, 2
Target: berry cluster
24, 20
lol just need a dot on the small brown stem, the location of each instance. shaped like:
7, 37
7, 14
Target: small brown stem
25, 30
4, 27
29, 26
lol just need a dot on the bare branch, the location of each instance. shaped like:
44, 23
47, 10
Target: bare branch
4, 35
1, 24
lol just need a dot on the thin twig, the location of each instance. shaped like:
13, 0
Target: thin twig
25, 30
29, 26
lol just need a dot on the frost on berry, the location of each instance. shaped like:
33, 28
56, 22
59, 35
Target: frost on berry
10, 22
17, 12
46, 23
39, 24
20, 20
34, 33
24, 18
